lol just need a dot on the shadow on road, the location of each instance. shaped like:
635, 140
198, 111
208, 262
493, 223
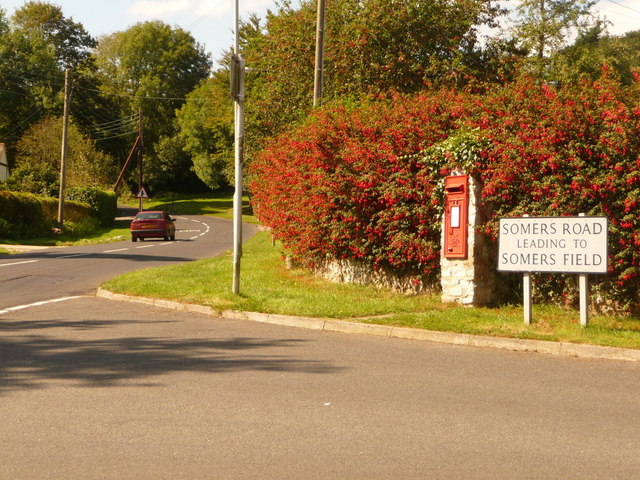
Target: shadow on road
30, 356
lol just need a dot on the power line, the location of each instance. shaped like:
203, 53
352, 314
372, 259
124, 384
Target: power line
625, 6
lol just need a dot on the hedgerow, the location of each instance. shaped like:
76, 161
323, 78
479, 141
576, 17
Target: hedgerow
563, 151
364, 182
348, 183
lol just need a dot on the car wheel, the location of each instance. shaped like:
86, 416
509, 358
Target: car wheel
134, 239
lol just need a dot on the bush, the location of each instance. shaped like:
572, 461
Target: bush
348, 183
22, 215
563, 151
104, 204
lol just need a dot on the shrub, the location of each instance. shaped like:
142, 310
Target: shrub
104, 204
22, 214
563, 151
349, 183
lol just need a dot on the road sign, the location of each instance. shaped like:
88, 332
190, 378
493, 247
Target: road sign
142, 193
553, 244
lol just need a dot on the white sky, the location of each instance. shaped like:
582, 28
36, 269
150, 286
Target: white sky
211, 22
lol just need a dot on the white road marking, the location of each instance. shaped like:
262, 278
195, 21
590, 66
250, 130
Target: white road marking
36, 304
146, 246
76, 255
116, 250
18, 263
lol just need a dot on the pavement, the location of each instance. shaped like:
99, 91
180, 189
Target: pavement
352, 327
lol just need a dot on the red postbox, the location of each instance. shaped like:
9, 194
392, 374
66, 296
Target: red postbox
456, 215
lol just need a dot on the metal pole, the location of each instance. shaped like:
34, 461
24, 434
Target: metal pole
239, 152
526, 294
68, 78
318, 78
583, 283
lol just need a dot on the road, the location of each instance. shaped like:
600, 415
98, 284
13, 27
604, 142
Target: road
92, 388
98, 389
59, 272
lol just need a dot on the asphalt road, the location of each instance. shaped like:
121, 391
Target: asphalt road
59, 272
98, 389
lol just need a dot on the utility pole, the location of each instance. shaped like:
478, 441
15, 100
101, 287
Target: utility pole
318, 80
140, 152
237, 93
68, 79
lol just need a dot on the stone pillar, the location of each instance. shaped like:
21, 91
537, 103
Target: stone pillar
470, 281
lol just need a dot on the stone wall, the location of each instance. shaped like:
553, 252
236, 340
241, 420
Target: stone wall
351, 271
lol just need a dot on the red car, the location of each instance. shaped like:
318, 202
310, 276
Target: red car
152, 224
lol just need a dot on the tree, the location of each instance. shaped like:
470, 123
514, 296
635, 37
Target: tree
372, 47
593, 50
38, 160
71, 42
206, 129
151, 67
543, 26
36, 44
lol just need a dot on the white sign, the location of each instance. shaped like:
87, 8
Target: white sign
553, 244
142, 193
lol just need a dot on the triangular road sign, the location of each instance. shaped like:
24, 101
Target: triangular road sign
142, 193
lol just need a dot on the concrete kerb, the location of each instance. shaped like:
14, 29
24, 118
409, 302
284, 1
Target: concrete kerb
341, 326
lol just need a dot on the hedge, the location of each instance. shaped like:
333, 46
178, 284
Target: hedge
24, 215
365, 182
104, 204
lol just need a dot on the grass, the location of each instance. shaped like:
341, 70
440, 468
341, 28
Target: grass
266, 286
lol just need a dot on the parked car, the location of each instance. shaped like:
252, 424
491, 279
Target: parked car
153, 224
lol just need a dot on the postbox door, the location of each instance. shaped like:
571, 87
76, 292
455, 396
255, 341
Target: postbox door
456, 216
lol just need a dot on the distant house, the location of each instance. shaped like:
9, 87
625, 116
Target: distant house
4, 165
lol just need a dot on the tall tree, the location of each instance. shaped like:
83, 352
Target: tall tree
71, 42
372, 46
36, 44
151, 67
543, 26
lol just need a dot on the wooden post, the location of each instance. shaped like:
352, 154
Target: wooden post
68, 78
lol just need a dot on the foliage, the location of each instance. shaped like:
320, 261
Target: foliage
38, 160
542, 26
346, 185
69, 39
104, 204
151, 67
372, 46
562, 151
21, 215
206, 129
592, 50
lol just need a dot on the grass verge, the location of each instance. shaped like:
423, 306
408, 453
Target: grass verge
266, 286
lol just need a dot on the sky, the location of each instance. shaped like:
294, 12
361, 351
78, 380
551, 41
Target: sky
211, 22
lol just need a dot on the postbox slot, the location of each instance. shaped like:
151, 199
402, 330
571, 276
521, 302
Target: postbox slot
455, 188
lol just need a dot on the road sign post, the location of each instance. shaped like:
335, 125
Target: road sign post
557, 245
